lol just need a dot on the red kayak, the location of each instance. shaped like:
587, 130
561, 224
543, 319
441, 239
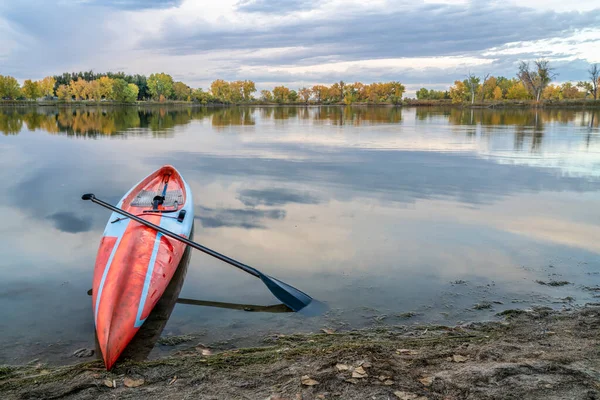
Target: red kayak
135, 263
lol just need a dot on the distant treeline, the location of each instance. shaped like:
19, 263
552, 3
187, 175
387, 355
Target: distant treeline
161, 87
531, 83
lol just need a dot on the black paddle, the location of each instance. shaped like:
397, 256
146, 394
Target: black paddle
275, 308
288, 295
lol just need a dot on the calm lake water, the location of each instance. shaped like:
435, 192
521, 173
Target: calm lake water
376, 212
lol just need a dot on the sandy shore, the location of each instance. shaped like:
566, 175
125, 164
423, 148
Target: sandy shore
532, 354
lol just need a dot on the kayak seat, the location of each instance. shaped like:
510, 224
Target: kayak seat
146, 197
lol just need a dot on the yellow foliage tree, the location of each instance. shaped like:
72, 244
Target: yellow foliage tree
47, 86
552, 92
106, 87
320, 92
459, 92
63, 93
497, 94
517, 92
221, 90
78, 89
305, 94
281, 94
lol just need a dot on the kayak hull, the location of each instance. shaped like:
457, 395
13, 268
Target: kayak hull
135, 264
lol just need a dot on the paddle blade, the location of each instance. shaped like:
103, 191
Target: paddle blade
288, 295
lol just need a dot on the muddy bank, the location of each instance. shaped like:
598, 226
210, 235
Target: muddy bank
532, 354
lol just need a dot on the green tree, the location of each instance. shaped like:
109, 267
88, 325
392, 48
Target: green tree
31, 90
423, 94
9, 88
293, 96
202, 97
182, 92
131, 93
160, 84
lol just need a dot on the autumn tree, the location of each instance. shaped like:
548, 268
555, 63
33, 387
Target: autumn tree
281, 94
552, 92
93, 91
517, 92
47, 86
570, 91
221, 90
487, 87
535, 80
63, 93
9, 88
160, 84
305, 94
78, 89
265, 95
31, 90
248, 88
459, 92
497, 94
106, 87
320, 92
395, 91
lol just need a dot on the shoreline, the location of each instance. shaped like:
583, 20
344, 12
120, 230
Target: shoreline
520, 104
534, 353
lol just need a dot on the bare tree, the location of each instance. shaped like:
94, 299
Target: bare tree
595, 78
472, 84
536, 81
483, 82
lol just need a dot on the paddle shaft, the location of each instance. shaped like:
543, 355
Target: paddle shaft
170, 234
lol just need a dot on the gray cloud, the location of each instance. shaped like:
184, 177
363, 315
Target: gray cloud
236, 217
62, 36
67, 221
423, 30
275, 197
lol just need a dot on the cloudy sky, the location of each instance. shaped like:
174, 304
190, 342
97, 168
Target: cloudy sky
303, 42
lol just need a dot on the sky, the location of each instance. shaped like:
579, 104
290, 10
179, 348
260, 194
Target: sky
421, 43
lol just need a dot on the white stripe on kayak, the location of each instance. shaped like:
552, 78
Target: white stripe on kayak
104, 274
150, 270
